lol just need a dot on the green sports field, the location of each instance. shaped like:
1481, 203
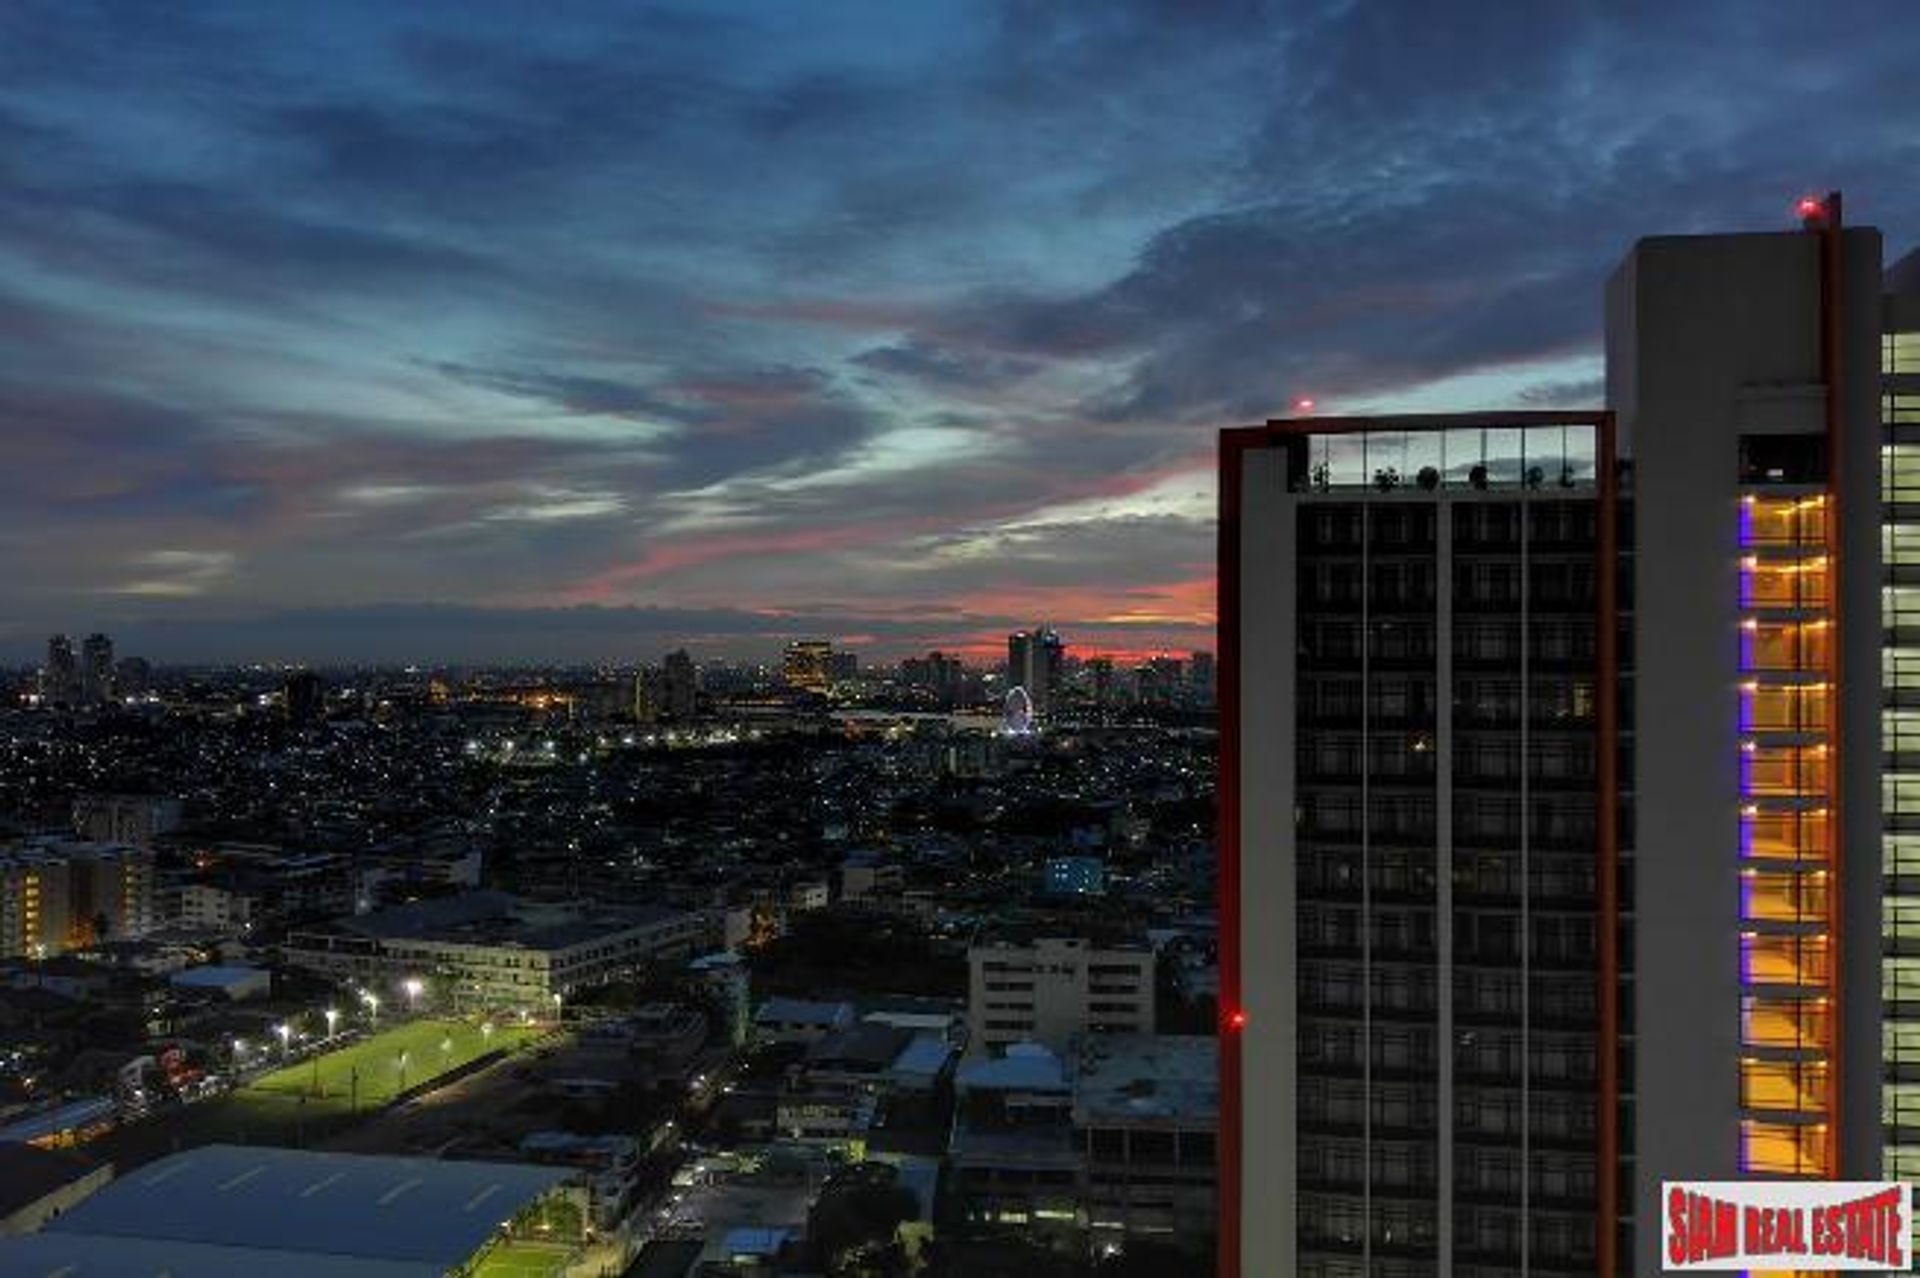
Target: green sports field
371, 1071
522, 1260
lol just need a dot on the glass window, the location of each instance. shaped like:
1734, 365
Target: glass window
1783, 1148
1783, 521
1783, 960
1777, 583
1800, 1086
1784, 1022
1785, 646
1783, 895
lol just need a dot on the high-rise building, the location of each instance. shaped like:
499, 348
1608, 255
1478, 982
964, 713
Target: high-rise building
646, 695
1566, 770
1034, 662
680, 682
303, 697
132, 677
1200, 679
1745, 371
1412, 737
96, 670
1900, 715
804, 665
60, 678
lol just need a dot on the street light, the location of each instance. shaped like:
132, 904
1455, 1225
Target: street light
556, 1007
412, 986
372, 1001
333, 1018
285, 1031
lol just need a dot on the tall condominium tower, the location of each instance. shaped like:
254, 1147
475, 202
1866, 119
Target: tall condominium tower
60, 677
1745, 372
1418, 683
1567, 777
1900, 714
1034, 661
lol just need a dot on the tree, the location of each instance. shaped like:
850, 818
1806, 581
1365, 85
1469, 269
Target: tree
853, 1225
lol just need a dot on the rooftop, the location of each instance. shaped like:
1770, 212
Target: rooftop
1130, 1077
315, 1204
501, 919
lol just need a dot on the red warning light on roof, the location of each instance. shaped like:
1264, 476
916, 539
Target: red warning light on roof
1303, 406
1237, 1020
1811, 208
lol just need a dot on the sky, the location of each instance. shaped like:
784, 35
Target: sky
481, 332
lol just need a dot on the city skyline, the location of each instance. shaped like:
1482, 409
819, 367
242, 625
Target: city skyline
346, 336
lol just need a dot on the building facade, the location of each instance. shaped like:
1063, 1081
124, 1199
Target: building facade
1900, 714
1419, 790
58, 895
1565, 760
1745, 372
1049, 989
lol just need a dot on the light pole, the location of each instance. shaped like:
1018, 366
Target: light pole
556, 1007
239, 1052
333, 1019
412, 986
372, 1001
403, 1071
285, 1031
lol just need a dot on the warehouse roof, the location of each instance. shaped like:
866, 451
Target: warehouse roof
314, 1203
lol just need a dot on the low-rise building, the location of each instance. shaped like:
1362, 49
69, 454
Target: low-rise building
1049, 989
1013, 1153
1146, 1115
495, 950
794, 1020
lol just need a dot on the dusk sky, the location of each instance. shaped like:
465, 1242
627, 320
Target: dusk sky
484, 331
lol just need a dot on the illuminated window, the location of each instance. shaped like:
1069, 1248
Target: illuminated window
1769, 583
1783, 771
1784, 960
1900, 353
1798, 1086
1783, 646
1783, 1148
1797, 707
1783, 1022
1783, 896
1783, 521
1900, 473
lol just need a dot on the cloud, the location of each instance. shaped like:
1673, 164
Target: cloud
179, 574
917, 314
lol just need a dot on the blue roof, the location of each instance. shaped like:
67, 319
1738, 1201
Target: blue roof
52, 1122
314, 1203
51, 1255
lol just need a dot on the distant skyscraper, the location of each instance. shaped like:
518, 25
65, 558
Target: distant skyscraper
1034, 661
805, 665
1100, 681
682, 686
96, 670
60, 680
646, 695
1200, 679
843, 667
303, 697
133, 677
